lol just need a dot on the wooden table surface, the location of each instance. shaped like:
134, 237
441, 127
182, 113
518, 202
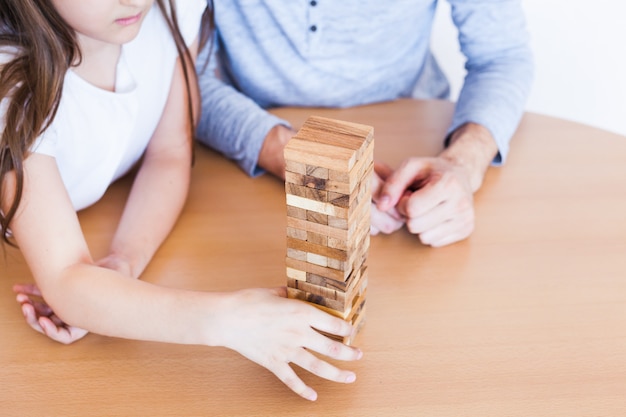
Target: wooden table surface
525, 318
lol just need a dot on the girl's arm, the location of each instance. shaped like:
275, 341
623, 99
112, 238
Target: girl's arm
47, 230
155, 202
160, 187
260, 324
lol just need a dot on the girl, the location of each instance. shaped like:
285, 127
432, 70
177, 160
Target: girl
84, 95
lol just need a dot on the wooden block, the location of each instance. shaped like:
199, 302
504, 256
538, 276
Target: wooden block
315, 217
329, 164
296, 254
319, 228
329, 305
316, 259
324, 292
317, 270
296, 274
317, 172
327, 143
325, 156
335, 297
326, 282
351, 178
357, 324
321, 250
326, 136
360, 192
338, 223
312, 205
327, 290
338, 199
306, 192
294, 233
318, 206
317, 238
348, 134
296, 212
341, 260
348, 216
329, 297
321, 184
348, 315
318, 300
295, 167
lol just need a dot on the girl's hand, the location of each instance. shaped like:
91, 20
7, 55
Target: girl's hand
273, 331
40, 316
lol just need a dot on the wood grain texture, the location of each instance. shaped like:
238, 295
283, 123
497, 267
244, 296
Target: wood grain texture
524, 318
314, 252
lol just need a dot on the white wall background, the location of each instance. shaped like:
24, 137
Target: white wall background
580, 59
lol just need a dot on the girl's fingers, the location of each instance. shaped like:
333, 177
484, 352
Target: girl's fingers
323, 369
327, 323
288, 377
59, 334
326, 346
279, 291
65, 334
48, 323
31, 317
56, 320
29, 289
40, 308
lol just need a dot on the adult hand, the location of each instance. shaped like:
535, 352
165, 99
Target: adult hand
435, 196
271, 155
40, 316
382, 221
273, 331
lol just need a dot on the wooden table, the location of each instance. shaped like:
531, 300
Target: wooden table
525, 318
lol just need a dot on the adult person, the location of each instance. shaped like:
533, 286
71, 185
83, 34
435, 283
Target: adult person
354, 52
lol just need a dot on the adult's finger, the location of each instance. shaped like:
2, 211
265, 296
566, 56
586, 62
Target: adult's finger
447, 233
384, 221
411, 171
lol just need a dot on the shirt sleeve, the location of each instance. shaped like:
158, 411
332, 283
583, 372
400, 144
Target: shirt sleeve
493, 37
230, 122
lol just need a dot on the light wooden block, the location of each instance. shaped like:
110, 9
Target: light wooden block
329, 164
315, 194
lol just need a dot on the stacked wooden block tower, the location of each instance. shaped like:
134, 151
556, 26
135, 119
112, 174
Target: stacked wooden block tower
327, 182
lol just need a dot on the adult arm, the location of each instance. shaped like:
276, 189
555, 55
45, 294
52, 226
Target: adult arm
435, 195
499, 65
236, 126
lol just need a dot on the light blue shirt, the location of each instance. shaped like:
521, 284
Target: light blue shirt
274, 53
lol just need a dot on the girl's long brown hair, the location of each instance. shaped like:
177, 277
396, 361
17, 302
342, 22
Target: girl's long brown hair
44, 48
